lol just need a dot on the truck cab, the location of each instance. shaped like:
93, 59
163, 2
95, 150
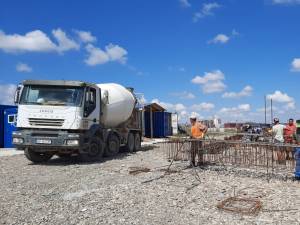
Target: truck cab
65, 118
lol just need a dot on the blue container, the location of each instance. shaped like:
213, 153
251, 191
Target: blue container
162, 124
10, 125
2, 122
297, 158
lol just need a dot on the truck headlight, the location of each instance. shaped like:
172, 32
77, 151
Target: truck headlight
73, 142
18, 140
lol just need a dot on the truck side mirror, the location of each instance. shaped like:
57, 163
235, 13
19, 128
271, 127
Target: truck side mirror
17, 95
105, 97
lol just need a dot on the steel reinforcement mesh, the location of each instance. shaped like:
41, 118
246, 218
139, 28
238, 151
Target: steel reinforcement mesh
262, 157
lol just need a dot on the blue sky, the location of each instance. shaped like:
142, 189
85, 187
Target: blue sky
195, 57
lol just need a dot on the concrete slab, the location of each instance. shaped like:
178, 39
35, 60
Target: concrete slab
9, 152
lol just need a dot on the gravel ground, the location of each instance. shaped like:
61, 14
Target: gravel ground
70, 192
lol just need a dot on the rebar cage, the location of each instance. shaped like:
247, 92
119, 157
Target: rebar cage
269, 158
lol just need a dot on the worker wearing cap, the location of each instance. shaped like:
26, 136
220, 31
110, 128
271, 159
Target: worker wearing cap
278, 131
198, 130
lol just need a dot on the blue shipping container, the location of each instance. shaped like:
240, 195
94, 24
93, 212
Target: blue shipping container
297, 168
2, 116
162, 124
10, 125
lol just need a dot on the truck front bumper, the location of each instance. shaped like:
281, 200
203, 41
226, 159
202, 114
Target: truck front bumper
48, 140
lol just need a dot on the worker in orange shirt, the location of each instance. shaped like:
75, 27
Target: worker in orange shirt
198, 131
290, 137
290, 132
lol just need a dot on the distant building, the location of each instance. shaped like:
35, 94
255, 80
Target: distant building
217, 122
209, 123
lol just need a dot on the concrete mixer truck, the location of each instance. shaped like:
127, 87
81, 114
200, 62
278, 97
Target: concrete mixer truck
57, 117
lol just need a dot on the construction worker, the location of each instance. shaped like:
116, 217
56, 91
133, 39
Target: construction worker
290, 138
198, 131
277, 132
290, 132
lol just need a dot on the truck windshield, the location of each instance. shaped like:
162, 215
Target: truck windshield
52, 95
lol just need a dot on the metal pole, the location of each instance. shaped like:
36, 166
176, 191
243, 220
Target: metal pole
265, 110
271, 111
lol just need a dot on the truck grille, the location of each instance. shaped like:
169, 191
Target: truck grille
46, 122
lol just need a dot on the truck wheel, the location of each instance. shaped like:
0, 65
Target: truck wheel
130, 142
113, 145
37, 157
137, 142
94, 152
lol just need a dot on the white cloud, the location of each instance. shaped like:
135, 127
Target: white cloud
179, 107
7, 92
247, 91
223, 38
219, 39
283, 98
278, 96
204, 106
286, 2
96, 56
169, 106
185, 3
295, 65
211, 82
236, 110
241, 112
85, 36
111, 53
206, 10
23, 67
214, 87
116, 53
36, 41
64, 42
184, 95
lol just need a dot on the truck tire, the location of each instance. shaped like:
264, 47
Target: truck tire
130, 142
37, 157
113, 145
94, 152
137, 142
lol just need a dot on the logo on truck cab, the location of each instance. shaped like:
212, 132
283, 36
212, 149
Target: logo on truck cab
46, 111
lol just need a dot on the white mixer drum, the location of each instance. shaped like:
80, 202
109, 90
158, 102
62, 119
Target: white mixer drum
120, 104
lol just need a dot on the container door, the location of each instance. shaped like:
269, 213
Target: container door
10, 122
174, 124
147, 125
166, 124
